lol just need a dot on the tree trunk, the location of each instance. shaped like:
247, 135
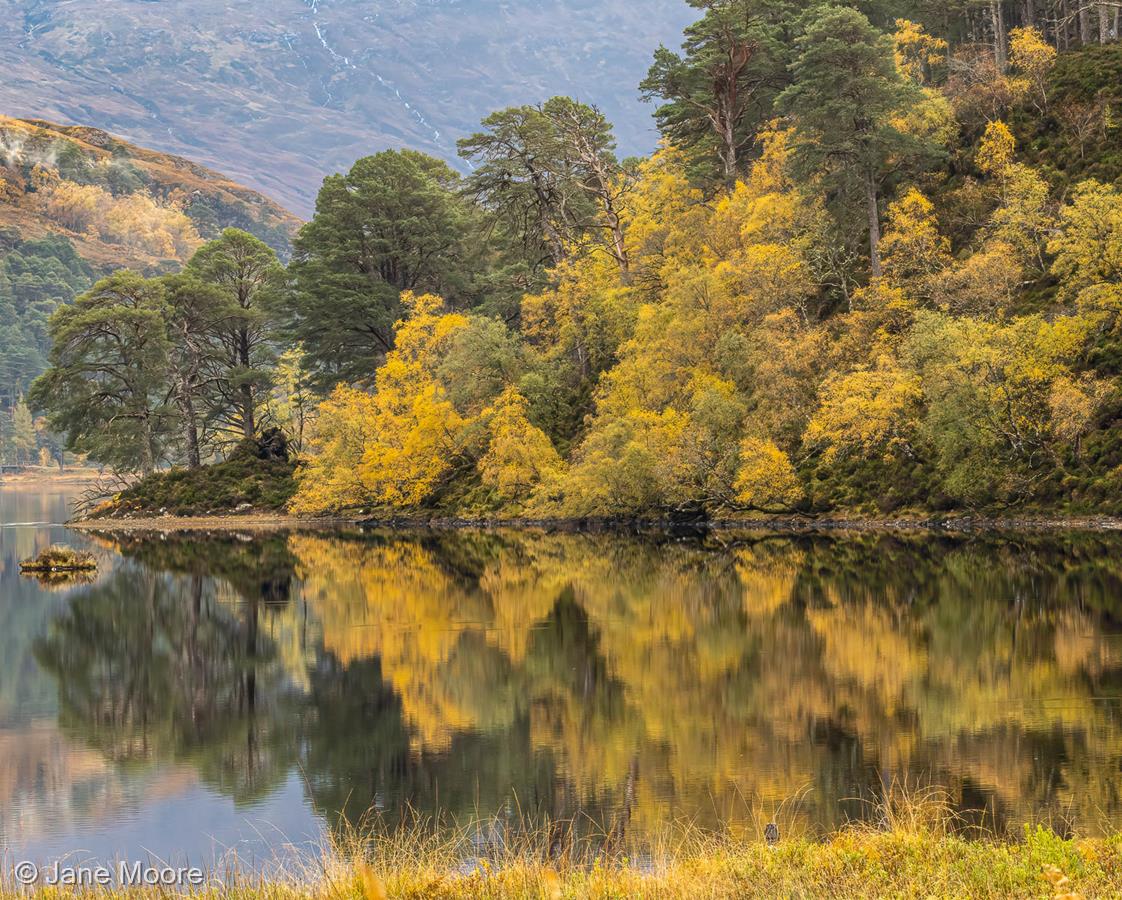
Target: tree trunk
190, 430
1030, 13
997, 13
249, 427
1104, 23
1085, 36
729, 156
148, 456
871, 195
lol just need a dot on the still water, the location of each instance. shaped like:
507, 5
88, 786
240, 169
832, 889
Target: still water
214, 692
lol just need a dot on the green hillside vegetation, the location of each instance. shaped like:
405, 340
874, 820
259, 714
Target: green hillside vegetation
875, 267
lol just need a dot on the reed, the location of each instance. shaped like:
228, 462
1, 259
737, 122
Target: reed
914, 846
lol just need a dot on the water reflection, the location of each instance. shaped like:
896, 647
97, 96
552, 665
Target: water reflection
620, 681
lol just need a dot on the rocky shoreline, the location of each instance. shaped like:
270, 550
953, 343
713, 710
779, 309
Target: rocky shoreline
785, 524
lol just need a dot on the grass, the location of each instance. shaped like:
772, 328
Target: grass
243, 483
916, 849
60, 558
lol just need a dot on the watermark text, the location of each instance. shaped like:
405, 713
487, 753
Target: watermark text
120, 875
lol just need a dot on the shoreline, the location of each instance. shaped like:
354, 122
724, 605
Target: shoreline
41, 480
777, 524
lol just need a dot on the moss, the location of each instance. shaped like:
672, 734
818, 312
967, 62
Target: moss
242, 483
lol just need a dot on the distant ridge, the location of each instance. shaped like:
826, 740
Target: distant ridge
89, 185
280, 94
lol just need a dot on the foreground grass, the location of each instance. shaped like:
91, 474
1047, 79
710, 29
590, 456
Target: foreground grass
860, 862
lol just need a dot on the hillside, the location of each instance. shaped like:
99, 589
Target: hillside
77, 203
39, 160
281, 94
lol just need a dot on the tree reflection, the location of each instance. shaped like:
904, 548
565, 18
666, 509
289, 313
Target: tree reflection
619, 681
152, 666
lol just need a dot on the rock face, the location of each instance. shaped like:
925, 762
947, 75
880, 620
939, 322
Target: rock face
279, 94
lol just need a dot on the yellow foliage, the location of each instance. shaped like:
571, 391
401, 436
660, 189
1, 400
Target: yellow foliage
871, 411
1034, 58
1073, 403
786, 359
930, 119
1088, 250
664, 221
917, 52
632, 463
1022, 219
392, 448
766, 479
585, 316
982, 285
760, 234
913, 248
416, 429
134, 220
343, 429
520, 456
995, 155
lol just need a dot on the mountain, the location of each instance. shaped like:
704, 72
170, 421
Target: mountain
280, 94
94, 188
77, 203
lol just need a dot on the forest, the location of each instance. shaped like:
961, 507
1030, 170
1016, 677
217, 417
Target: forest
875, 265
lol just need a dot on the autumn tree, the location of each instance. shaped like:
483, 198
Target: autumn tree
520, 458
1088, 251
1003, 400
1023, 217
22, 442
919, 55
1033, 59
395, 447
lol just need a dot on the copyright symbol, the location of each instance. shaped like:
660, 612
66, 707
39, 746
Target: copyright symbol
26, 872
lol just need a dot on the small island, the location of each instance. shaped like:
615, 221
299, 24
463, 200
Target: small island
59, 558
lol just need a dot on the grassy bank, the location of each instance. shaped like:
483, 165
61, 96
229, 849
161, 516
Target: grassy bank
242, 483
896, 860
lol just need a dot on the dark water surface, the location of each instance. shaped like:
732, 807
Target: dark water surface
242, 692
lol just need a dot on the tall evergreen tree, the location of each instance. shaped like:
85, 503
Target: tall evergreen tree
247, 272
845, 101
107, 387
721, 89
395, 222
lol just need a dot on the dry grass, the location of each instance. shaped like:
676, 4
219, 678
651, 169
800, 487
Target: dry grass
916, 848
60, 558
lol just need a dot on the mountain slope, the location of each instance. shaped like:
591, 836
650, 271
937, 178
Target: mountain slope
84, 183
77, 203
279, 94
